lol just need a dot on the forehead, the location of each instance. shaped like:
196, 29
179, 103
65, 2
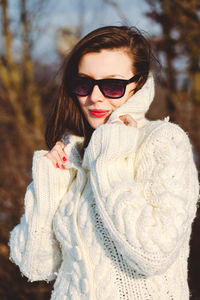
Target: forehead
106, 63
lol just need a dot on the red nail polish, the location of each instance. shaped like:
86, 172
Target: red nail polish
63, 167
57, 165
64, 158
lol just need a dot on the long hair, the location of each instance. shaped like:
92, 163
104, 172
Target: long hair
66, 116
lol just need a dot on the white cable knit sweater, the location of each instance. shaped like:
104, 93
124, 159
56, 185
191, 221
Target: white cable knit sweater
115, 225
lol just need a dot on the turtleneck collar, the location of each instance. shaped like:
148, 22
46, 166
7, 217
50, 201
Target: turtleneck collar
138, 104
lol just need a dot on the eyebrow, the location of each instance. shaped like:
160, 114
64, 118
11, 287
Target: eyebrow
106, 77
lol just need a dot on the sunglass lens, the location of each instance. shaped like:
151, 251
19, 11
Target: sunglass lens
81, 86
112, 89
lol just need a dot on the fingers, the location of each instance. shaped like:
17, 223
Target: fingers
128, 120
116, 122
59, 148
57, 155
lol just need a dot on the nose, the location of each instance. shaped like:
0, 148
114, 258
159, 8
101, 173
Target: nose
96, 94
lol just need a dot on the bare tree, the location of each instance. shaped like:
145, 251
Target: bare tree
180, 38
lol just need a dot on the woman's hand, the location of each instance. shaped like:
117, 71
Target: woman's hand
127, 120
57, 155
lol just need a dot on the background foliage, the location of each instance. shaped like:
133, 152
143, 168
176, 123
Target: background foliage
28, 85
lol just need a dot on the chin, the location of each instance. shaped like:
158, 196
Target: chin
97, 123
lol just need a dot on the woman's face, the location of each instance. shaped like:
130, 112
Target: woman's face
114, 63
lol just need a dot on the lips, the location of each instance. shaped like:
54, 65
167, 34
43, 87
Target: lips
98, 113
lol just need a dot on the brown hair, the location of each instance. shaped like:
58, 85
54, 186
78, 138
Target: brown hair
66, 115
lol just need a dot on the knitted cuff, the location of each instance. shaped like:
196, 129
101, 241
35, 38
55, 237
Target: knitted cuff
111, 141
50, 185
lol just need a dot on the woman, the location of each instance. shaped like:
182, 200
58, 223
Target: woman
113, 220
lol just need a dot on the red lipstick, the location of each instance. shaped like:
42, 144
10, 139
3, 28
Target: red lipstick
98, 113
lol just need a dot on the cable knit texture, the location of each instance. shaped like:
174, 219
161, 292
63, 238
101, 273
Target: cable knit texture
117, 223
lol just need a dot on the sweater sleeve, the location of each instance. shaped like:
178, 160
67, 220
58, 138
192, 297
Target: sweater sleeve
149, 216
33, 246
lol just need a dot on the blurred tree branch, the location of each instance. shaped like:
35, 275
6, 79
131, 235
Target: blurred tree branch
21, 131
119, 11
18, 79
31, 97
180, 38
9, 72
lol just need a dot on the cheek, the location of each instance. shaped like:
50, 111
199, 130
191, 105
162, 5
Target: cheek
115, 104
82, 102
119, 102
128, 94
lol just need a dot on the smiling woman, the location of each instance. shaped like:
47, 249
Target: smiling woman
110, 208
131, 51
101, 100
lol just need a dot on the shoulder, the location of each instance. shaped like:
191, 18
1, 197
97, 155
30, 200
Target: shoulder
165, 139
163, 129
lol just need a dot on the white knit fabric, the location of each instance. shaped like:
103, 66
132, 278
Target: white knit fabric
117, 224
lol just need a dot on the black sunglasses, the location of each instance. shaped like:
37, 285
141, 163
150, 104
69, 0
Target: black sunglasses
110, 87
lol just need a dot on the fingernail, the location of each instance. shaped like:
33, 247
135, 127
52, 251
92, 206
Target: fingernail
64, 158
62, 166
57, 165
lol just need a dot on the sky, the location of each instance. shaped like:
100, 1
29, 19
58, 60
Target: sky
55, 14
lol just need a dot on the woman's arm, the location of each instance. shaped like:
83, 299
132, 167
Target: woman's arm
32, 243
148, 218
